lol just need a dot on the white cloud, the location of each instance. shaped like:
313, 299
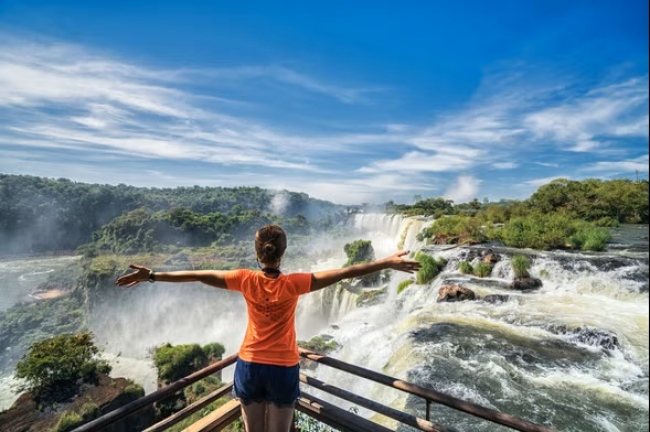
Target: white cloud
425, 162
505, 165
542, 181
465, 189
579, 124
621, 166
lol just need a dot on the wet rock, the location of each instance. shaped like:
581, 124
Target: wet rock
452, 293
469, 254
495, 298
588, 336
483, 283
490, 257
526, 284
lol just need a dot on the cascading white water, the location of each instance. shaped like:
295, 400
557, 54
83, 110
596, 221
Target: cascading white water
573, 354
389, 234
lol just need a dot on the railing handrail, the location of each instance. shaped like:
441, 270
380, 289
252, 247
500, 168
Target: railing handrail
428, 394
395, 414
161, 393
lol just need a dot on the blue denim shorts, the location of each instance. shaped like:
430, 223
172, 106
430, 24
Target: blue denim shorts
255, 382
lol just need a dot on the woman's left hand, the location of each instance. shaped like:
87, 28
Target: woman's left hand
397, 262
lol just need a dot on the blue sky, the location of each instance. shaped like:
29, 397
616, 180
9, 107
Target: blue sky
347, 101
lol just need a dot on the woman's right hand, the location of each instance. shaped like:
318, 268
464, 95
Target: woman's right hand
141, 274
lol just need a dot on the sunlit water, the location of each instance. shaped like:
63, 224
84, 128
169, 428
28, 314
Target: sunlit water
525, 356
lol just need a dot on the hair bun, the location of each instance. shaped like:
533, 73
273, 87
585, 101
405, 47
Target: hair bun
269, 248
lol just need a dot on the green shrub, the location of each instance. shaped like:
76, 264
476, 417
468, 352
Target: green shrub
176, 362
454, 230
520, 265
590, 239
370, 297
201, 388
68, 421
214, 350
482, 270
90, 411
429, 268
53, 366
541, 231
465, 267
359, 251
404, 284
609, 222
322, 344
134, 390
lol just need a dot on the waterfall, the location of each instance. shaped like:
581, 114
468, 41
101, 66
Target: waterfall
388, 233
573, 353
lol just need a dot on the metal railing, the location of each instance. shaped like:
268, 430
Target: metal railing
321, 410
428, 395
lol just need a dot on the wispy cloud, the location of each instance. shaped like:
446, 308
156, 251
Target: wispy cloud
505, 165
542, 181
620, 166
74, 99
584, 122
281, 74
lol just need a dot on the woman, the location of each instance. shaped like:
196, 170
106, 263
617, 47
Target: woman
267, 372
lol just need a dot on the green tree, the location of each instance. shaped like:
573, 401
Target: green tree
359, 251
54, 367
176, 362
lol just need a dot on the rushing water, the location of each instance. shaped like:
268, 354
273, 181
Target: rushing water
573, 354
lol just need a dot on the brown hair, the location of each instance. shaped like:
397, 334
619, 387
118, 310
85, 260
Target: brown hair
270, 243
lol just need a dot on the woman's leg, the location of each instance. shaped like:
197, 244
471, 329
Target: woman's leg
254, 415
278, 419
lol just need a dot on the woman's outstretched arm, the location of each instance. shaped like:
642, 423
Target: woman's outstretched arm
213, 278
322, 279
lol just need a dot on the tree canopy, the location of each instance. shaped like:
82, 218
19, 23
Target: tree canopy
40, 214
54, 367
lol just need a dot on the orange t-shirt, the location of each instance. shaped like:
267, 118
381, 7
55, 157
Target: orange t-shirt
271, 331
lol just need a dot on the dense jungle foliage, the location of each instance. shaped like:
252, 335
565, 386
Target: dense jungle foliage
593, 200
39, 214
561, 214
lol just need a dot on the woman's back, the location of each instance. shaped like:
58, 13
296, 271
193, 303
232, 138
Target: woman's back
270, 335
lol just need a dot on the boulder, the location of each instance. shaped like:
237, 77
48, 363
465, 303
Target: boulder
452, 293
526, 284
491, 258
495, 298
